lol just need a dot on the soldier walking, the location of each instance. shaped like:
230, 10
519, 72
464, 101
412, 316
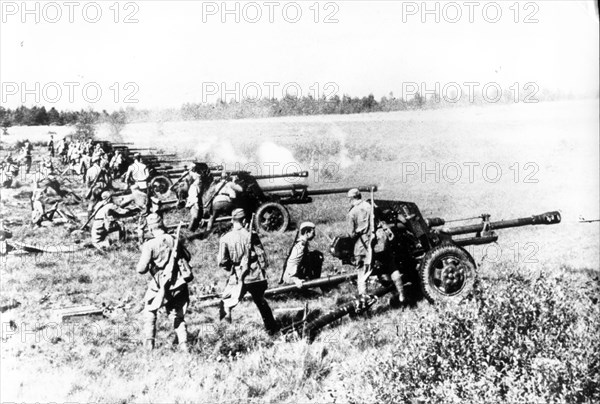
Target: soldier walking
155, 257
242, 255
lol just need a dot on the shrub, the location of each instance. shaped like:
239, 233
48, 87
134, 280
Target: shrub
516, 340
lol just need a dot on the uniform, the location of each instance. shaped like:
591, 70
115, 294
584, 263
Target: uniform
233, 257
194, 203
359, 223
104, 222
10, 173
223, 201
299, 265
155, 256
138, 173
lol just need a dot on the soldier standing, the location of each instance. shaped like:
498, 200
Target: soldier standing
51, 146
359, 227
299, 265
155, 257
26, 155
137, 176
242, 255
359, 223
194, 201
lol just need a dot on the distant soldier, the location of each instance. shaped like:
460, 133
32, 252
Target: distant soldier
104, 223
97, 181
39, 213
116, 163
194, 201
25, 157
51, 146
61, 150
156, 253
244, 276
138, 174
359, 228
45, 178
10, 173
303, 264
225, 193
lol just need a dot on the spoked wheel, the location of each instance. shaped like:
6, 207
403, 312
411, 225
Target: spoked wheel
160, 186
272, 217
447, 273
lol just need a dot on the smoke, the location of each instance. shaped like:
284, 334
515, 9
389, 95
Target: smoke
343, 157
219, 151
275, 159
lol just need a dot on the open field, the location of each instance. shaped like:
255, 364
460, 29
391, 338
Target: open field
526, 335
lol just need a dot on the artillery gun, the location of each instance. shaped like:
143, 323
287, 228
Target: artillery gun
434, 254
270, 202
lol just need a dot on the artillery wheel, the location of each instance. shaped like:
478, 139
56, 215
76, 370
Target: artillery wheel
160, 186
447, 273
272, 217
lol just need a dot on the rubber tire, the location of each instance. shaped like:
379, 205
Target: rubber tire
264, 208
162, 181
427, 266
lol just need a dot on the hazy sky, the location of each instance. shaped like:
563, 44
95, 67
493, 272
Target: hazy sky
183, 51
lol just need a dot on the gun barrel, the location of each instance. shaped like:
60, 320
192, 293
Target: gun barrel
340, 190
301, 174
313, 283
544, 218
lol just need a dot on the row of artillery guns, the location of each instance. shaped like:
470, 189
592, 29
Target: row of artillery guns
170, 180
430, 255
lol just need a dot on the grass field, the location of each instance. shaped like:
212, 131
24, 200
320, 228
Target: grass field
527, 334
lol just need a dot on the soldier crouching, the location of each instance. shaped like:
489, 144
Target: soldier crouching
155, 257
303, 264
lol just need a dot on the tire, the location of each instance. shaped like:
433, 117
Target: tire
272, 217
160, 186
447, 273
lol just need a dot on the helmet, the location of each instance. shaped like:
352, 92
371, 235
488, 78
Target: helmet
354, 193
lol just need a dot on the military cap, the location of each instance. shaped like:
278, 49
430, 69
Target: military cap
307, 225
154, 221
106, 195
238, 214
354, 193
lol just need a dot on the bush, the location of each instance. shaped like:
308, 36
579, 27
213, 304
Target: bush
517, 340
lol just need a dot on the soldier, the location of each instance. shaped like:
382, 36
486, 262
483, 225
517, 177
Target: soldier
194, 201
155, 257
25, 157
61, 150
10, 173
97, 181
359, 222
116, 163
51, 146
303, 264
359, 227
223, 201
137, 174
104, 221
245, 276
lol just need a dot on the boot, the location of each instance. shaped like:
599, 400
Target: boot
149, 344
224, 314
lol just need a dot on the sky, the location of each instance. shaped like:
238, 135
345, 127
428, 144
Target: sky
162, 54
